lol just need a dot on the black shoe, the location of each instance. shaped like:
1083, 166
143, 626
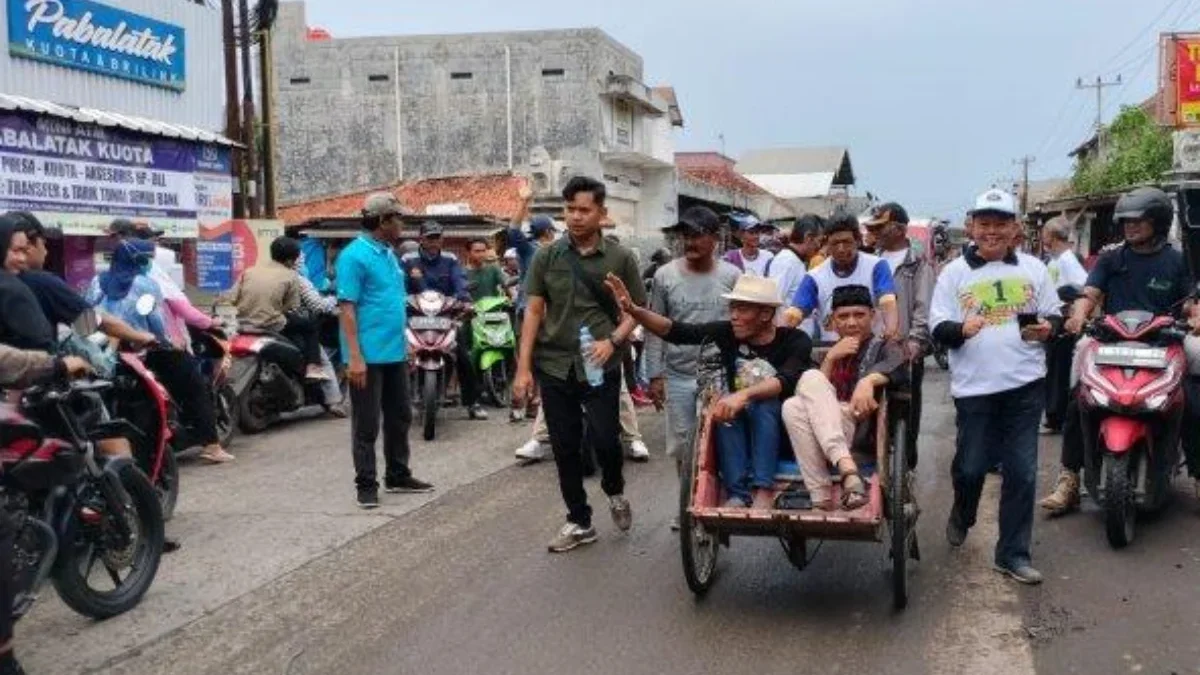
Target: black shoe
955, 534
368, 498
408, 485
10, 666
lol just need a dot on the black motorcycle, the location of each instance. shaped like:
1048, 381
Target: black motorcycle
90, 524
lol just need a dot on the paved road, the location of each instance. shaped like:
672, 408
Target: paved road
280, 575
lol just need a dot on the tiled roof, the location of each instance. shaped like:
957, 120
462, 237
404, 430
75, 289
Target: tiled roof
721, 177
489, 195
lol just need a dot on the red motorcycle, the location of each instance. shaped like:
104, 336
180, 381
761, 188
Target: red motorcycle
433, 321
1132, 406
91, 525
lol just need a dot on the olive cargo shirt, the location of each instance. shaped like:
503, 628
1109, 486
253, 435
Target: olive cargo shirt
569, 303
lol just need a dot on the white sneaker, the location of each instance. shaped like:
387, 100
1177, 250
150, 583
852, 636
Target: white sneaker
533, 451
638, 452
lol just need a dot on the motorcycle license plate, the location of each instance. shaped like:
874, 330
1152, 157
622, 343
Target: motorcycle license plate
1131, 357
429, 323
493, 317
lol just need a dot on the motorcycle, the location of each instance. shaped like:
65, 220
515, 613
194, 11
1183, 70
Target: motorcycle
71, 508
267, 379
433, 321
494, 348
1132, 405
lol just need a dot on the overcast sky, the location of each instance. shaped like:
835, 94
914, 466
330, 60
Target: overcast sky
934, 98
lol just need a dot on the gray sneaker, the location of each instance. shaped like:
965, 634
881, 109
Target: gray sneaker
572, 536
1022, 572
622, 514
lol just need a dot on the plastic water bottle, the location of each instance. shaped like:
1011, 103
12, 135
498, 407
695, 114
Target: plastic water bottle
594, 372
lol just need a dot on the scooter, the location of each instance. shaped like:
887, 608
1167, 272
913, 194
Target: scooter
494, 348
268, 380
433, 321
1132, 405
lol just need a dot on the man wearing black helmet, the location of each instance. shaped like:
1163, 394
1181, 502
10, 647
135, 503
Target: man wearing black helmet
432, 269
1145, 273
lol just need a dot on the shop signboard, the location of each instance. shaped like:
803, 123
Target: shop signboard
83, 176
214, 257
91, 36
1187, 59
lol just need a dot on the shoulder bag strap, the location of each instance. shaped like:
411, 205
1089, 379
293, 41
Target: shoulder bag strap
600, 295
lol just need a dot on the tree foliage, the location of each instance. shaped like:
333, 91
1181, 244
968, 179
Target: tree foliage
1137, 150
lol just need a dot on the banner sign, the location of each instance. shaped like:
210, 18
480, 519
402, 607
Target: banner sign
48, 165
1187, 57
90, 36
214, 257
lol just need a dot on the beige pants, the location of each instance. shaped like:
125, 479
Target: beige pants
819, 426
629, 423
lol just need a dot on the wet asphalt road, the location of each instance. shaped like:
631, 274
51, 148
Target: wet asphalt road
464, 585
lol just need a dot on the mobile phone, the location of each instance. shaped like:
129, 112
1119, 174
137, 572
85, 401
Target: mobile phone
1027, 319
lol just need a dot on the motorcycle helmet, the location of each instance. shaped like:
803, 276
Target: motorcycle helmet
1146, 203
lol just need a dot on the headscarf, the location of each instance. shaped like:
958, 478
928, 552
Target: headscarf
128, 261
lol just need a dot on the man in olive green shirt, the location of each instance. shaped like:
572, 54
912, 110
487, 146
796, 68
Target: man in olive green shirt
565, 286
484, 279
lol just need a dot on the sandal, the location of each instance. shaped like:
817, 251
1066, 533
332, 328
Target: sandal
216, 456
854, 492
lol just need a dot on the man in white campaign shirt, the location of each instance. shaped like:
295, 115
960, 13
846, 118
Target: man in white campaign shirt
1065, 270
993, 307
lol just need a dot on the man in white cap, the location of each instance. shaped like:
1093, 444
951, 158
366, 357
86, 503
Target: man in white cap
993, 307
768, 360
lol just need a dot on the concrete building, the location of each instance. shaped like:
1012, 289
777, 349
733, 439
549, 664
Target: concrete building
375, 112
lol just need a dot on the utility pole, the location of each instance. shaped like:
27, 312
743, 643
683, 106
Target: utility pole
248, 125
266, 76
1099, 85
1025, 162
233, 123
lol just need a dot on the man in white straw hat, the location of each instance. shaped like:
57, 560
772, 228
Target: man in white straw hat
763, 364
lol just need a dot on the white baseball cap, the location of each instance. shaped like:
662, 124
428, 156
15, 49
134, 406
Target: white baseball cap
995, 201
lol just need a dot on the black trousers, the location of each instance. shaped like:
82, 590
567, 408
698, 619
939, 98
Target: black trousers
181, 377
566, 404
1059, 354
468, 378
7, 535
385, 397
917, 387
305, 332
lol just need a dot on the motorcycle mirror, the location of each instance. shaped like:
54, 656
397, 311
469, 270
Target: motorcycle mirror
145, 305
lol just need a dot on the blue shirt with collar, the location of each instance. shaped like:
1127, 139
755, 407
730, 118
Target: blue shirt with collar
440, 273
369, 277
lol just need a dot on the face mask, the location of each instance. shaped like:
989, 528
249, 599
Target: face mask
144, 266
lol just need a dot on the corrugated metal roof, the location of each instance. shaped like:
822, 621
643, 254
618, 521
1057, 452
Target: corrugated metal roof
112, 119
799, 161
795, 186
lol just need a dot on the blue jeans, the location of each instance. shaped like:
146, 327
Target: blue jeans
1000, 428
748, 448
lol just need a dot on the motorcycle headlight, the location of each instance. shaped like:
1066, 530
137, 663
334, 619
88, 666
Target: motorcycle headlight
1155, 403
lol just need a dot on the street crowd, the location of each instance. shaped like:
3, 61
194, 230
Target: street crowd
811, 328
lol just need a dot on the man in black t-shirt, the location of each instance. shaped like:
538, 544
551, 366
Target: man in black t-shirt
766, 363
1145, 273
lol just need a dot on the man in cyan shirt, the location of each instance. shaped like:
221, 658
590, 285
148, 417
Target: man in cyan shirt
997, 370
846, 266
372, 300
